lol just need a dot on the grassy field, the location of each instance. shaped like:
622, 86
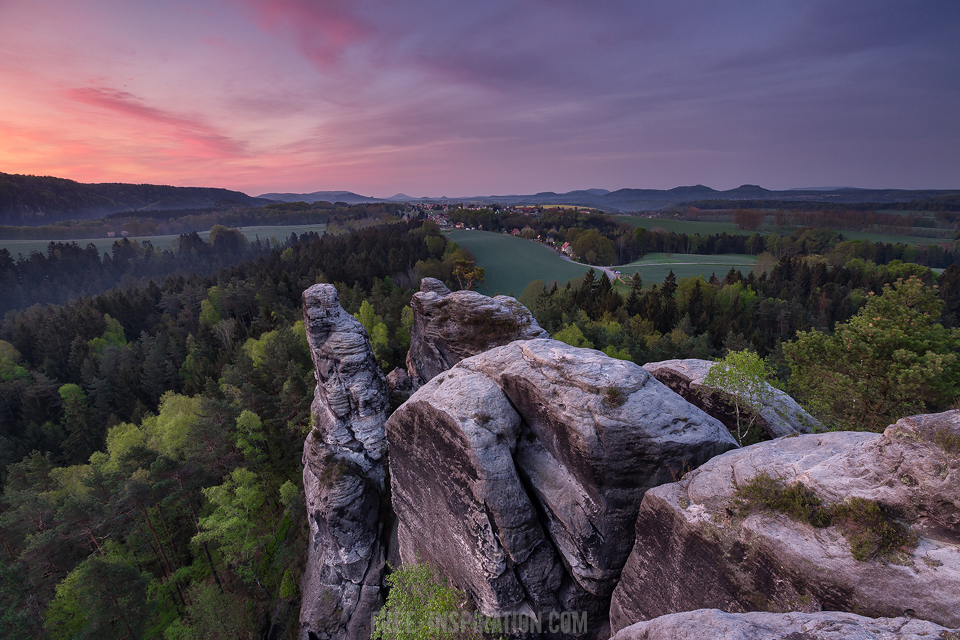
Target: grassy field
513, 263
706, 228
654, 267
104, 244
685, 226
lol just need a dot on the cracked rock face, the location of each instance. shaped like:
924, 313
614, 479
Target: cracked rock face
519, 472
343, 475
695, 549
782, 417
708, 624
449, 327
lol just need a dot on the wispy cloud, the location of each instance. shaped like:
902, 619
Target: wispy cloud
196, 136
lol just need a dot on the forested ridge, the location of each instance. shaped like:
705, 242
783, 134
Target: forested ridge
150, 436
32, 199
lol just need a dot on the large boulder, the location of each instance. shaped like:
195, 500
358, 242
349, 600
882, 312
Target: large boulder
699, 544
343, 475
448, 327
519, 472
782, 416
708, 624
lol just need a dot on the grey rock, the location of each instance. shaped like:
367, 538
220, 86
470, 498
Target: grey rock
400, 386
782, 417
694, 549
343, 475
708, 624
519, 472
448, 327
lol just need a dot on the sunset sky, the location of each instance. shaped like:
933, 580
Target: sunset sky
438, 97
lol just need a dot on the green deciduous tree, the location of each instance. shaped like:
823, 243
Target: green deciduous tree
419, 605
890, 360
745, 378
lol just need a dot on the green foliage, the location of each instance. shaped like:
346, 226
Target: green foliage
103, 598
615, 396
250, 436
871, 531
113, 336
744, 378
767, 493
890, 360
573, 336
10, 370
238, 523
419, 597
213, 613
947, 440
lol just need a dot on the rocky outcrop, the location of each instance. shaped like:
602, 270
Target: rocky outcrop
400, 386
699, 545
343, 475
449, 327
708, 624
782, 416
519, 472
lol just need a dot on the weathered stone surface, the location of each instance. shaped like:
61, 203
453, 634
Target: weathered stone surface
709, 624
520, 471
400, 386
343, 475
781, 418
449, 327
694, 549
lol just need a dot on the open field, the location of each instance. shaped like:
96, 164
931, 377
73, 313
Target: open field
512, 263
685, 226
104, 244
706, 228
654, 267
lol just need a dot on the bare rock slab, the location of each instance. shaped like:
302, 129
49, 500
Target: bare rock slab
782, 417
708, 624
695, 548
448, 327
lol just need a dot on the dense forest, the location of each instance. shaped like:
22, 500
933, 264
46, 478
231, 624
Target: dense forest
151, 434
151, 439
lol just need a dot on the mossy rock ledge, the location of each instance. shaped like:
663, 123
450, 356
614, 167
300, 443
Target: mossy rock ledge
701, 545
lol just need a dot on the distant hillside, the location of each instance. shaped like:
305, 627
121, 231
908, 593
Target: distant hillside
35, 200
626, 200
330, 196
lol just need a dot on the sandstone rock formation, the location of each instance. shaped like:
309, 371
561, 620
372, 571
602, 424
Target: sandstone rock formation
343, 475
519, 472
696, 548
399, 386
449, 327
708, 624
781, 418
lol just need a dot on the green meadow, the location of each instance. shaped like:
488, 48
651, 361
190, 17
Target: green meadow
654, 267
707, 228
281, 233
512, 263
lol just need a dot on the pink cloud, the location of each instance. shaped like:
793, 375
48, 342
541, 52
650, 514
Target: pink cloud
196, 136
324, 29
